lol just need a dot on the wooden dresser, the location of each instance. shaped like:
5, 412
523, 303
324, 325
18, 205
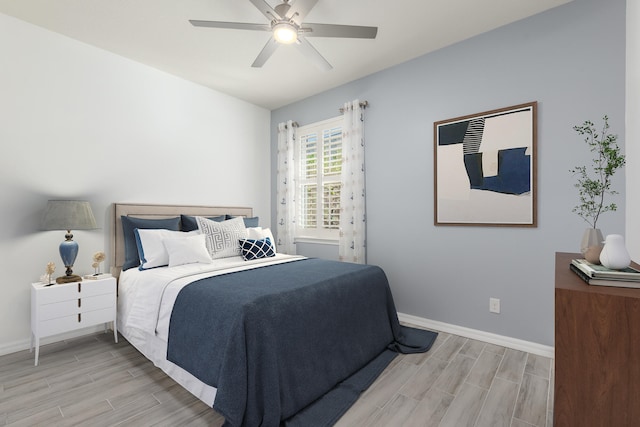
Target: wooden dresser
597, 346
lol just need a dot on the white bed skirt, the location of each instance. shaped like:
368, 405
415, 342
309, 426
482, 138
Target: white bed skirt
155, 349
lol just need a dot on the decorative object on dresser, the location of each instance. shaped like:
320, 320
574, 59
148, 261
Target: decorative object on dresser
48, 272
614, 255
597, 374
98, 257
591, 245
594, 185
68, 215
70, 306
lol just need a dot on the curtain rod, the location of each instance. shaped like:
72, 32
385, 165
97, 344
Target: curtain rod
363, 104
293, 124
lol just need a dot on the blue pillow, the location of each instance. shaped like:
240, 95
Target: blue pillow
131, 256
189, 222
248, 222
254, 249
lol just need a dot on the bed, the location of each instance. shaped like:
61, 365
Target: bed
264, 338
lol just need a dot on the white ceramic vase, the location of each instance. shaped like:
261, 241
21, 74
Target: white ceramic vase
591, 245
614, 255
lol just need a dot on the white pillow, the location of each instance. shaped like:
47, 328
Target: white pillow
150, 247
258, 233
187, 250
254, 233
222, 238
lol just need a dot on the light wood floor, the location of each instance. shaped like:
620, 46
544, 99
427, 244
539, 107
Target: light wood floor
94, 382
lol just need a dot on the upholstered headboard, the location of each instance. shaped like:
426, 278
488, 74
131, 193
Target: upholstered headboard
158, 212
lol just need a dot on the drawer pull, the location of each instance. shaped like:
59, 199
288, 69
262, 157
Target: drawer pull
79, 317
79, 303
79, 287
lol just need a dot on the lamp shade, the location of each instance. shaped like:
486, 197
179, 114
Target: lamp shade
68, 215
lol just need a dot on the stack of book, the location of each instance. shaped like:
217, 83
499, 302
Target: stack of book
602, 276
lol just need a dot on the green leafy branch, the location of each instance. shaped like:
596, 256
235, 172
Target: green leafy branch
594, 184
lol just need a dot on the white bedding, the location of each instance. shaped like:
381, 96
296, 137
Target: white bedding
145, 302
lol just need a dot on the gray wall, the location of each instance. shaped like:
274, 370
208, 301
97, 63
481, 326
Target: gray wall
571, 60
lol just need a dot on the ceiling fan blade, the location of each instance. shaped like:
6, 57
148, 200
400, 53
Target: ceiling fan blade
265, 53
299, 10
232, 25
266, 10
346, 31
313, 55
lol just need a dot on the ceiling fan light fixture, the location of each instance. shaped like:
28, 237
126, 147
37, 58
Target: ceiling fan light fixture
285, 33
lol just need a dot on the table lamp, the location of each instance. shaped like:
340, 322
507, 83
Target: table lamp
68, 215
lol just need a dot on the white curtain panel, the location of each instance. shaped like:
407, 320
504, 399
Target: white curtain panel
353, 223
285, 190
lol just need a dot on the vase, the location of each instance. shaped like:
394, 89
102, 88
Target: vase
591, 245
614, 255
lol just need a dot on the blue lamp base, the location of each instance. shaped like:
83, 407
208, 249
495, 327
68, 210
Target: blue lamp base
68, 253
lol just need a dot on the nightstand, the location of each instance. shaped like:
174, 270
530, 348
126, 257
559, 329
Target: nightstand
66, 307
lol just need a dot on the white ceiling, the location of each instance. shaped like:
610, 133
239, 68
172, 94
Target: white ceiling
157, 33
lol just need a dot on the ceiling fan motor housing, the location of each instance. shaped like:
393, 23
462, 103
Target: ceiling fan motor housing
282, 9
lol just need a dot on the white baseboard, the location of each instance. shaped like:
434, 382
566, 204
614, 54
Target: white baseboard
514, 343
14, 347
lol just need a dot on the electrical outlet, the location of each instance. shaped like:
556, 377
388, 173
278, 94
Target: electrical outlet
494, 305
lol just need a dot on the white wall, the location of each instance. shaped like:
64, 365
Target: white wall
79, 122
633, 133
448, 274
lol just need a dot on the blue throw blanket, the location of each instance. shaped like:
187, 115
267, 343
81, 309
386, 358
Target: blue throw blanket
275, 339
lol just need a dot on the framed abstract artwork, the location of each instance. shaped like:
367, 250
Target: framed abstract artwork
485, 168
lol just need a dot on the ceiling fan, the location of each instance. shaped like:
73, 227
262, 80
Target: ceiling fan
285, 23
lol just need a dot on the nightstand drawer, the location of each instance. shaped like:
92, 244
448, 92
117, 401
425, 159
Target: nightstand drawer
75, 321
69, 291
75, 306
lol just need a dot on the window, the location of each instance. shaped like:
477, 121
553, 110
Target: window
319, 161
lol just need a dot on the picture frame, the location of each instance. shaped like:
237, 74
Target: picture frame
485, 168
